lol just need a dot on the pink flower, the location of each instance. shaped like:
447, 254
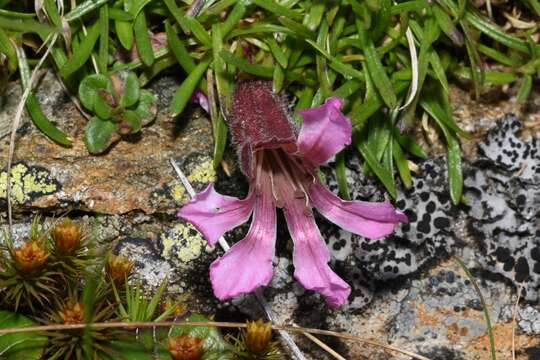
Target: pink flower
199, 98
280, 164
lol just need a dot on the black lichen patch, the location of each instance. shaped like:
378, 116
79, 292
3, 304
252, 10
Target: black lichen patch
503, 189
415, 245
444, 353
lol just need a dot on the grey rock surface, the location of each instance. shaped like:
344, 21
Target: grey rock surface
407, 289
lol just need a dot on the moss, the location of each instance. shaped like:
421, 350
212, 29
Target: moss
27, 183
184, 241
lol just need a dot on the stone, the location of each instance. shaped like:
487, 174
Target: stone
407, 290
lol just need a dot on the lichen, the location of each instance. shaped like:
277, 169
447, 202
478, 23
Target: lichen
27, 183
203, 173
184, 241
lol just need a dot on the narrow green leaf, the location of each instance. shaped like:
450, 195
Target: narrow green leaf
224, 88
278, 9
439, 70
277, 52
384, 176
44, 124
348, 88
15, 14
524, 89
124, 31
179, 50
242, 64
78, 59
315, 15
433, 107
185, 90
52, 12
142, 39
341, 176
455, 172
376, 70
409, 144
25, 26
234, 17
402, 165
298, 30
119, 14
83, 9
496, 33
359, 116
103, 54
345, 69
495, 54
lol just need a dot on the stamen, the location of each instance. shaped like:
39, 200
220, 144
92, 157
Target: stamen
298, 187
277, 200
258, 170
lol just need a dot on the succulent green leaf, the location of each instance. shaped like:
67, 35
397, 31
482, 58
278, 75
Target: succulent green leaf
131, 90
134, 121
89, 87
99, 135
146, 108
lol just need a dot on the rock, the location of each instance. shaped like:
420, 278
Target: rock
407, 290
133, 175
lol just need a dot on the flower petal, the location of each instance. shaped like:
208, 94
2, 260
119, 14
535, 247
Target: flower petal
369, 219
311, 256
198, 97
248, 264
325, 131
213, 214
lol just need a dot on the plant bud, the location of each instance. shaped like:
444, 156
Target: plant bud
185, 347
258, 335
67, 237
30, 257
118, 268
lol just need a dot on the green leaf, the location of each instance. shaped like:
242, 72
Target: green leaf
99, 135
89, 86
79, 58
34, 110
234, 17
179, 50
431, 102
376, 70
185, 90
133, 120
402, 165
278, 10
103, 54
142, 39
384, 176
83, 9
242, 64
496, 33
146, 108
224, 88
409, 144
124, 31
101, 108
20, 346
341, 176
131, 90
25, 26
524, 89
213, 341
455, 171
